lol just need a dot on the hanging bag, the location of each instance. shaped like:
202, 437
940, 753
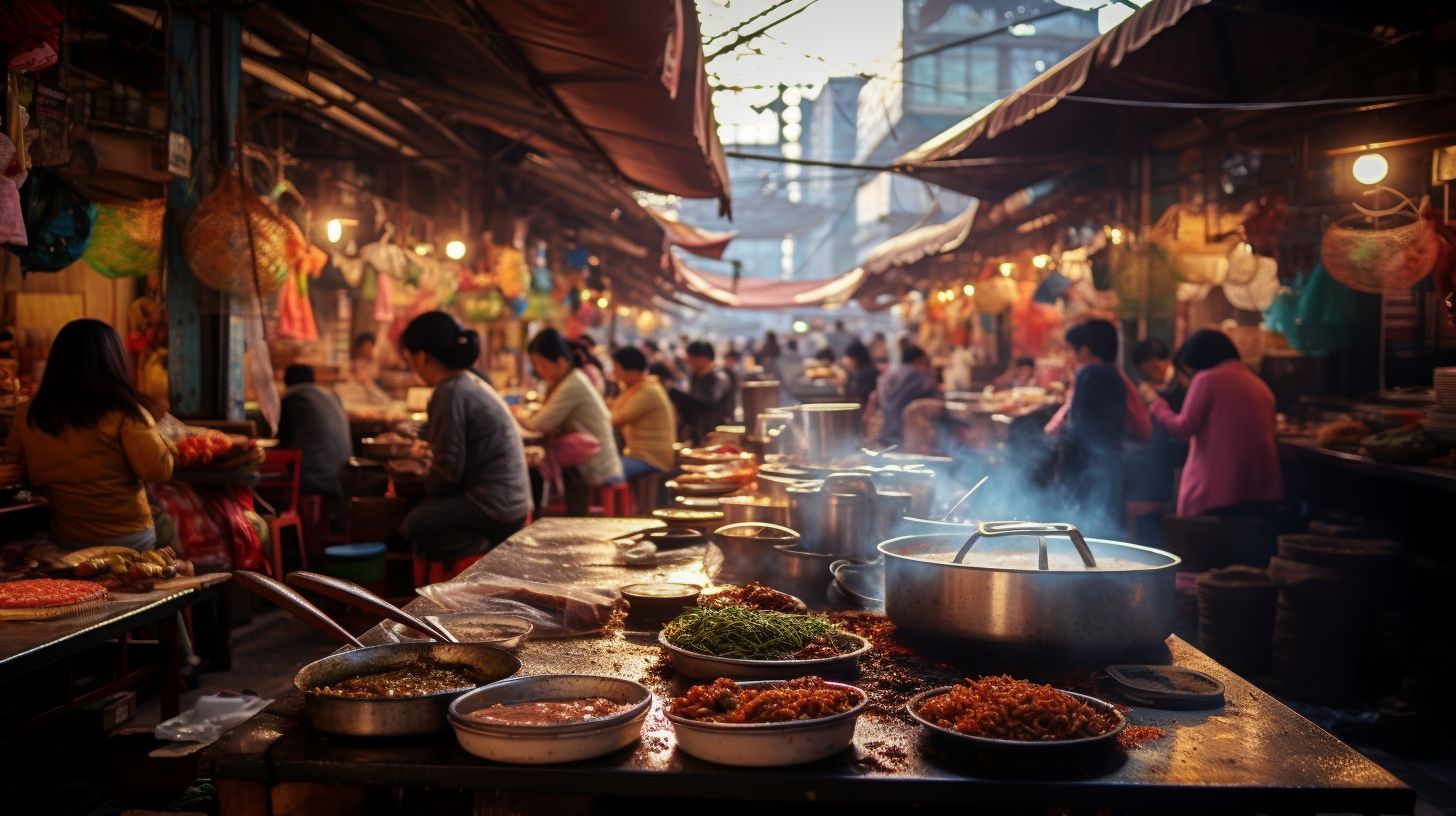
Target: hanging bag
1182, 234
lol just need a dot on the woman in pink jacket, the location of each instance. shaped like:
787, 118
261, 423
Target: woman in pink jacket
1228, 416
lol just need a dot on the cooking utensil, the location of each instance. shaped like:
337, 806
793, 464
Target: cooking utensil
737, 509
861, 583
376, 717
653, 604
699, 666
467, 626
351, 593
763, 745
1167, 687
703, 488
758, 396
1112, 600
748, 548
824, 432
962, 500
800, 572
541, 744
950, 735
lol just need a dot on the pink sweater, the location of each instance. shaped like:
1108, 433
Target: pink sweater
1233, 458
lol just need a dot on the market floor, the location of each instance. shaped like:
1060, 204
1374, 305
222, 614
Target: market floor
270, 648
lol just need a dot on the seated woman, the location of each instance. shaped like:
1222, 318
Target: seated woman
573, 406
89, 445
477, 490
643, 413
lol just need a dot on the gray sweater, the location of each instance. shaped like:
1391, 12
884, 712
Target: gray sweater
477, 449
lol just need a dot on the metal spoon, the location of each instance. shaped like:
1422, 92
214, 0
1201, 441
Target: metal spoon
969, 493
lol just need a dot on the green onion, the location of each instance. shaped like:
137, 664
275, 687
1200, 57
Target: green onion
749, 634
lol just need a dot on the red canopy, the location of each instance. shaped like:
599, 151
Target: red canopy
704, 243
764, 293
631, 76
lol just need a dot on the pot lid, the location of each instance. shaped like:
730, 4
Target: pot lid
1018, 546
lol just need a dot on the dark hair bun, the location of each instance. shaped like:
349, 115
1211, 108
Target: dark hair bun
466, 351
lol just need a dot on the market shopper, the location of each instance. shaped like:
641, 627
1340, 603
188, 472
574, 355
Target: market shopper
1152, 465
643, 413
863, 375
913, 380
312, 421
575, 420
1228, 417
708, 402
1090, 432
477, 490
89, 444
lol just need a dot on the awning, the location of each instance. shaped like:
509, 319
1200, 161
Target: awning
632, 76
762, 293
704, 243
1169, 63
934, 239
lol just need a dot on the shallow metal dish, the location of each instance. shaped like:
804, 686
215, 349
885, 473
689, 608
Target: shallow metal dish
460, 624
761, 745
862, 583
546, 744
698, 489
986, 743
698, 666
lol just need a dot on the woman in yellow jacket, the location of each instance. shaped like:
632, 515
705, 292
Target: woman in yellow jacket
88, 444
643, 414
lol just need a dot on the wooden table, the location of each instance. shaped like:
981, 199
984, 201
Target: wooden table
28, 645
1252, 754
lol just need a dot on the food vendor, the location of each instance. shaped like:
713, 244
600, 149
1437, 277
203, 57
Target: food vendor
864, 375
1020, 374
709, 400
644, 415
89, 443
573, 407
913, 380
1152, 466
1228, 414
477, 490
1090, 431
363, 364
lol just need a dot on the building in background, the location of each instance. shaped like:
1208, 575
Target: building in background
830, 135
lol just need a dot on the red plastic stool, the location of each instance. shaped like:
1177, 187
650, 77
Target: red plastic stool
438, 572
612, 501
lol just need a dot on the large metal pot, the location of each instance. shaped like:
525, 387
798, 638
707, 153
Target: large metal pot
758, 396
825, 432
738, 509
393, 717
1021, 590
799, 572
747, 549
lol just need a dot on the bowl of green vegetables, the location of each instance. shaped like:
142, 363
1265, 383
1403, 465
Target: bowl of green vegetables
740, 643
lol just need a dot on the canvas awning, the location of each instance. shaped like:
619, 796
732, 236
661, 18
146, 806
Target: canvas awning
912, 245
704, 243
1170, 63
632, 77
764, 293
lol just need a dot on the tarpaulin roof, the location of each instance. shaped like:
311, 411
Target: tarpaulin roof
1169, 63
704, 243
632, 76
912, 245
764, 293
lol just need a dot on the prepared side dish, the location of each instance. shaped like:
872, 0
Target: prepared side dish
741, 633
549, 712
1005, 708
413, 680
723, 701
38, 593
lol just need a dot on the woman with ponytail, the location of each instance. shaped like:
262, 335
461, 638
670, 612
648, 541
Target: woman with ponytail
478, 492
573, 409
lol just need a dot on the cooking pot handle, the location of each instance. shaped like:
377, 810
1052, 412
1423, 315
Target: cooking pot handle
998, 529
779, 527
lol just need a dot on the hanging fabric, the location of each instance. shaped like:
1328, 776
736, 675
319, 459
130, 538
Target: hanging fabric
58, 223
126, 240
12, 217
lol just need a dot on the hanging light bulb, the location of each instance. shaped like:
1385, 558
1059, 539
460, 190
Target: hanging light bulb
1371, 168
1007, 268
603, 303
335, 230
1041, 261
1114, 235
455, 250
969, 290
423, 249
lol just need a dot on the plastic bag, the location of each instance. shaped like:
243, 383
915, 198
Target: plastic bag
200, 540
555, 610
211, 717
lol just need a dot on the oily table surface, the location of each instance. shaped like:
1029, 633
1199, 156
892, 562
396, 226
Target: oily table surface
26, 645
1253, 752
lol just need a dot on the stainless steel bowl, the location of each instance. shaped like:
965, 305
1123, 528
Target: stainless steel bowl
699, 666
546, 744
766, 745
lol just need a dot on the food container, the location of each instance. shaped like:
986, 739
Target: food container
800, 572
544, 744
952, 736
376, 449
747, 549
737, 509
824, 432
763, 745
699, 666
757, 396
1023, 591
651, 605
501, 631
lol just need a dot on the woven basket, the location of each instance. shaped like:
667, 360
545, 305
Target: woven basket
1385, 259
1182, 233
234, 240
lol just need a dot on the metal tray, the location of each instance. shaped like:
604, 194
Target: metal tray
987, 743
699, 666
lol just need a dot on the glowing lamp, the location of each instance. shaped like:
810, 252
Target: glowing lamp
335, 230
1371, 168
969, 290
455, 250
1007, 268
1041, 261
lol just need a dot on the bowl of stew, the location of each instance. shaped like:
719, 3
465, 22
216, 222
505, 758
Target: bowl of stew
550, 718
